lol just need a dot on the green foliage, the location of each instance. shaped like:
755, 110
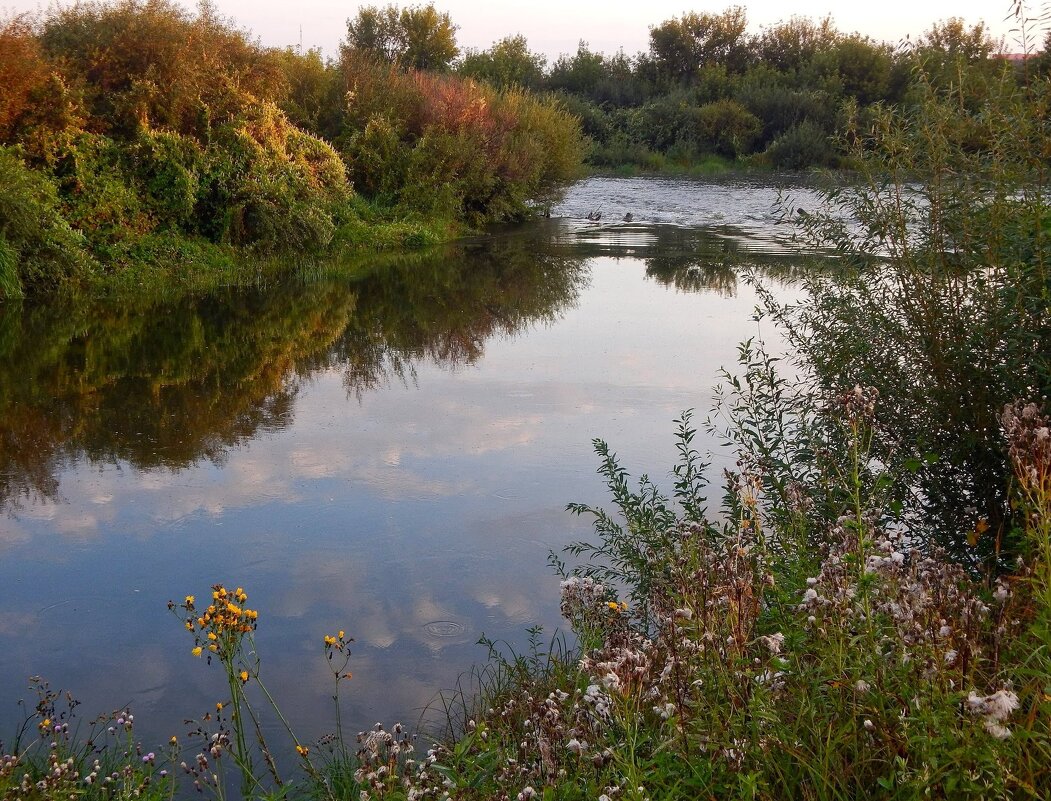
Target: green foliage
682, 46
803, 145
417, 37
447, 146
38, 249
508, 63
948, 225
727, 128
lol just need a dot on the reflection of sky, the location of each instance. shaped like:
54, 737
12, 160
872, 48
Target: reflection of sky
433, 502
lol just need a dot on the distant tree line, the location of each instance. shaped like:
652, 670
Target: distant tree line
708, 87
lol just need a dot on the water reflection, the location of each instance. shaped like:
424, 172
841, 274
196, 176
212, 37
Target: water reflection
390, 455
167, 385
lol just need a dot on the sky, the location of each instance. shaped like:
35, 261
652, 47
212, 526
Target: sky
553, 27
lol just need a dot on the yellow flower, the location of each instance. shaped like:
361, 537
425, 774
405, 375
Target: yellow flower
302, 750
174, 740
218, 706
212, 636
196, 651
189, 600
213, 648
341, 634
329, 641
243, 676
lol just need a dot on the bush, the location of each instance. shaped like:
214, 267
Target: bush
801, 146
38, 248
727, 128
445, 145
280, 188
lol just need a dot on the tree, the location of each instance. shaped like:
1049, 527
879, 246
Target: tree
509, 62
417, 37
682, 46
792, 45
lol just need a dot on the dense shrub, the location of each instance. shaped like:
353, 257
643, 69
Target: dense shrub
804, 144
38, 249
443, 144
727, 128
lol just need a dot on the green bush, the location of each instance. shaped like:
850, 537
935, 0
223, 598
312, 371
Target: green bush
803, 145
38, 248
727, 128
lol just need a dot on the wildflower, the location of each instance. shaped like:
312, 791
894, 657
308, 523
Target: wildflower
341, 634
243, 676
869, 725
862, 686
302, 750
190, 600
196, 651
774, 643
997, 730
329, 641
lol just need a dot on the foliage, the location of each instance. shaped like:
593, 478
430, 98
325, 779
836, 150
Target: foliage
445, 145
948, 224
508, 63
416, 37
38, 248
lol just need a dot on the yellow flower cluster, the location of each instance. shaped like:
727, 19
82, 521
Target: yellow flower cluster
222, 623
339, 642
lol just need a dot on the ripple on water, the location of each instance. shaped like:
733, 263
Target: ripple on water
444, 628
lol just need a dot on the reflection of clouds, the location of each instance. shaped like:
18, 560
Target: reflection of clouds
431, 502
17, 624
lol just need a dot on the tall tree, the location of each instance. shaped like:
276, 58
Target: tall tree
416, 37
680, 47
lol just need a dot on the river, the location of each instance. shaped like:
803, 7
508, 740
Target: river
391, 455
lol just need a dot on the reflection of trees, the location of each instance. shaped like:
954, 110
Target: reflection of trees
165, 385
695, 259
444, 308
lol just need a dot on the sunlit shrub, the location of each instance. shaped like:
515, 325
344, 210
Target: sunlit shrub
279, 187
149, 61
446, 145
727, 128
23, 73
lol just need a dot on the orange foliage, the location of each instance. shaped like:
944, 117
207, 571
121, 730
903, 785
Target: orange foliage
23, 72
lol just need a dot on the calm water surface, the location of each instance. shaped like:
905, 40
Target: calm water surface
391, 456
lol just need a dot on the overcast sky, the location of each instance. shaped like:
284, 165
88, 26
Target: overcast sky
556, 26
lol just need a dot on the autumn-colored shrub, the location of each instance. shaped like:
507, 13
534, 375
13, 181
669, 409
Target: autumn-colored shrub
151, 62
443, 144
23, 73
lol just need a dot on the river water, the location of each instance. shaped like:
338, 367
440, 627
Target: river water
391, 456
